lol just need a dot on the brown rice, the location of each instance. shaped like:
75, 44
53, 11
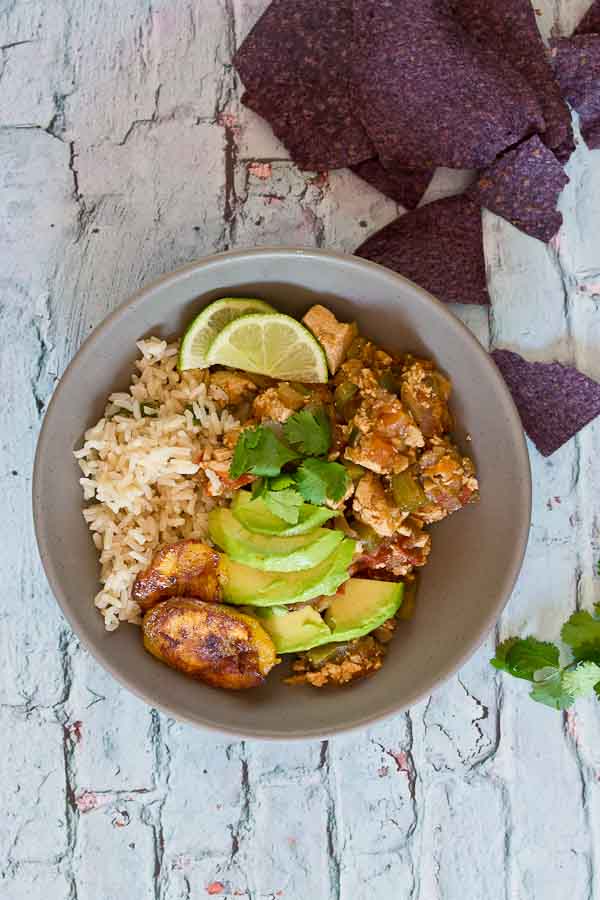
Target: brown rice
139, 463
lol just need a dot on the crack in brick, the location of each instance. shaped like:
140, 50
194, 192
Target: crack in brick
334, 863
482, 738
586, 779
56, 126
137, 123
40, 363
244, 822
404, 763
17, 44
161, 772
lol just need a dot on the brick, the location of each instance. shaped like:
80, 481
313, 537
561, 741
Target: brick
463, 841
33, 881
113, 746
279, 209
117, 852
36, 187
375, 810
34, 80
139, 223
459, 720
190, 48
32, 788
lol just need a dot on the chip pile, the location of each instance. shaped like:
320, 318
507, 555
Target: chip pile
392, 89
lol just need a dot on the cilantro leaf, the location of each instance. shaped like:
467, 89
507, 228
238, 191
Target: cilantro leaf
259, 451
582, 633
587, 653
319, 481
552, 692
499, 661
538, 661
285, 503
523, 658
582, 680
309, 431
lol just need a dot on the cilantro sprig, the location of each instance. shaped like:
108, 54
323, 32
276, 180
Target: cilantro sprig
259, 451
309, 432
539, 661
319, 480
310, 477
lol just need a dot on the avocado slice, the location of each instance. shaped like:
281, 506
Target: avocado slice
243, 585
361, 607
256, 516
272, 554
294, 631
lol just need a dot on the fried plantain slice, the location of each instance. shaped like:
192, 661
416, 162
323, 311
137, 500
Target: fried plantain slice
185, 569
210, 642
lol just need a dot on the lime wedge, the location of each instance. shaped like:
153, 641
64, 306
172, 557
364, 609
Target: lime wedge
270, 344
206, 326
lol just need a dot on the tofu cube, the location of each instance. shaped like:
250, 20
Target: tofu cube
335, 337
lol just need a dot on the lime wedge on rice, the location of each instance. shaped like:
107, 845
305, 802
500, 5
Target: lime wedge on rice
270, 344
206, 326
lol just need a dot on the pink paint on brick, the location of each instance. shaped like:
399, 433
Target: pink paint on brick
572, 729
260, 170
401, 760
592, 288
231, 122
320, 180
88, 800
227, 120
75, 731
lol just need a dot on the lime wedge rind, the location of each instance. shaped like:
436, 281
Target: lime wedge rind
202, 331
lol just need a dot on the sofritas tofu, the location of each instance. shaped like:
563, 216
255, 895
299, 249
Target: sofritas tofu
335, 337
277, 404
374, 507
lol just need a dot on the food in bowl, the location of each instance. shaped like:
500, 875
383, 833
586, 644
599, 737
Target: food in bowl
266, 487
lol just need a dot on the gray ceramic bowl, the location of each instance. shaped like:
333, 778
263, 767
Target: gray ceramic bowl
476, 554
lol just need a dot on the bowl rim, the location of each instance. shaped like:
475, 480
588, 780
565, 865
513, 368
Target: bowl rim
392, 709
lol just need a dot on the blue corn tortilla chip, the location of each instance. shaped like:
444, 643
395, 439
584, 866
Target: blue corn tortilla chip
554, 401
303, 121
590, 24
405, 186
565, 150
439, 246
577, 66
510, 28
430, 94
295, 66
523, 186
